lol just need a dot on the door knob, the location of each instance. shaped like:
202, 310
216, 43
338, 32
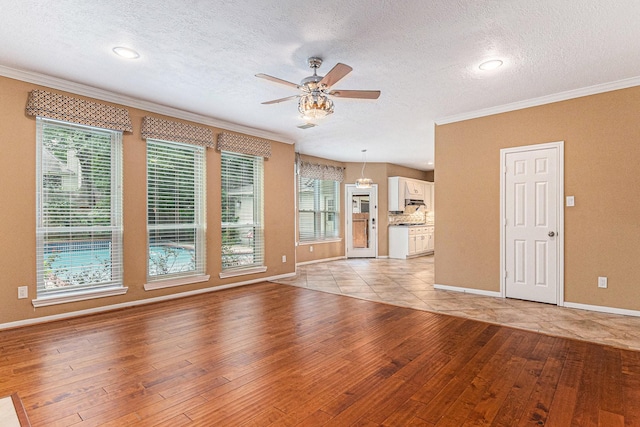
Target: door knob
551, 234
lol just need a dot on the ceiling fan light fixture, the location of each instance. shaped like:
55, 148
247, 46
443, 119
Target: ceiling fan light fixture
314, 102
315, 106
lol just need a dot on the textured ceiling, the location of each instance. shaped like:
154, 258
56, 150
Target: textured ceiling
201, 57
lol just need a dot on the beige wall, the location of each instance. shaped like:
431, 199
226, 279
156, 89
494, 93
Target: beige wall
397, 170
17, 213
321, 250
601, 135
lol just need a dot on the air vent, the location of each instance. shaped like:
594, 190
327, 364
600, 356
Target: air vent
306, 126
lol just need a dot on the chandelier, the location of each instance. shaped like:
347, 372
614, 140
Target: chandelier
363, 182
315, 105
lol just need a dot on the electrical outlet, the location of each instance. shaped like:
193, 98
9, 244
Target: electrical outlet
310, 248
602, 282
23, 292
284, 258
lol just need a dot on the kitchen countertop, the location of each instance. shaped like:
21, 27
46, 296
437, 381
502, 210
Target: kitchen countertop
412, 225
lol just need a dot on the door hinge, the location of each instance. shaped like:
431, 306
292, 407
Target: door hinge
505, 222
506, 274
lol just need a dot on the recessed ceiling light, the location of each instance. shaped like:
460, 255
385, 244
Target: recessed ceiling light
125, 52
490, 65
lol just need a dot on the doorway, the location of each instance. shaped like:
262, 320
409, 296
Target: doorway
532, 217
361, 221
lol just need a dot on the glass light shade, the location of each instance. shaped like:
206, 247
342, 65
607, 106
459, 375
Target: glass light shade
315, 106
364, 182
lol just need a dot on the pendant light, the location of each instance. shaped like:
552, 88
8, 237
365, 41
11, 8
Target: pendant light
363, 182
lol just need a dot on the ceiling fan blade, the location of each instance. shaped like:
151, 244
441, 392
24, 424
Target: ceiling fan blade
277, 80
275, 101
338, 72
361, 94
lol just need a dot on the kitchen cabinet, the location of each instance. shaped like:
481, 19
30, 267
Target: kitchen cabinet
410, 241
401, 189
429, 193
396, 186
429, 245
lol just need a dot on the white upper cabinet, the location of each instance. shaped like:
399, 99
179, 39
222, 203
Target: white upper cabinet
429, 194
402, 190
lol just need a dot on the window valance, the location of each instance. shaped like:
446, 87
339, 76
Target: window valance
168, 130
244, 145
75, 110
318, 171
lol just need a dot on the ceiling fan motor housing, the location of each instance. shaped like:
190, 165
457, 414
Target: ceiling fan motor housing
311, 82
314, 62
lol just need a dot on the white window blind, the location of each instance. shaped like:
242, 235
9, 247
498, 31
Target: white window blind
318, 209
176, 209
78, 208
242, 211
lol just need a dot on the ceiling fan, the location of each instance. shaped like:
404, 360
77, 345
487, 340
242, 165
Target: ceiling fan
314, 101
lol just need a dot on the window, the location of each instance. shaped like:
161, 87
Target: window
78, 209
175, 207
318, 209
242, 211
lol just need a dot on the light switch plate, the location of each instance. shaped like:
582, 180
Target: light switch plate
23, 292
602, 282
571, 201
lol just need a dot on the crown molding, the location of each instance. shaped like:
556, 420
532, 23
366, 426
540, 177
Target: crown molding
548, 99
104, 95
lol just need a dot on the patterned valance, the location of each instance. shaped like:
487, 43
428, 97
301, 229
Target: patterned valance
244, 144
168, 130
317, 171
75, 110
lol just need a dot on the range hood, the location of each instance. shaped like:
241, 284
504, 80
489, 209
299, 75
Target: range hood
410, 209
413, 194
413, 202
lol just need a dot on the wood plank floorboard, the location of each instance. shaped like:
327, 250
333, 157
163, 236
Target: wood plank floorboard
277, 355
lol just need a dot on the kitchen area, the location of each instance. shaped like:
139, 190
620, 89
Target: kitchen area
411, 217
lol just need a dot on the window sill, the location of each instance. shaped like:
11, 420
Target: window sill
78, 296
319, 242
235, 273
168, 283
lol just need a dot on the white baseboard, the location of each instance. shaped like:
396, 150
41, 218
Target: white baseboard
111, 307
468, 290
588, 307
602, 309
316, 261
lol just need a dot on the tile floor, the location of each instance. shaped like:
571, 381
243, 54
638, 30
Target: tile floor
410, 283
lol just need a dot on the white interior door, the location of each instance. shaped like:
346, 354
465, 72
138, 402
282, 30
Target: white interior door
361, 221
532, 200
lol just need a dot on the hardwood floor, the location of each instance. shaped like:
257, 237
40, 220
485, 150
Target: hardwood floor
276, 355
